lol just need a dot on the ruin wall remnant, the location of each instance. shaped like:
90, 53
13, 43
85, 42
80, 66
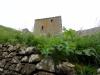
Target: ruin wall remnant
48, 26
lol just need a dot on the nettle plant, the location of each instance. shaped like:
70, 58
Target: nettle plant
59, 47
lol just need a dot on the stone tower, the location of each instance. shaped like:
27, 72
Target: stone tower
48, 26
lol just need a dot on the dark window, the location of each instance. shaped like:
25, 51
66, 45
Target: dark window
51, 20
42, 27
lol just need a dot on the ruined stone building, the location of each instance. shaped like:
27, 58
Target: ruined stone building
48, 26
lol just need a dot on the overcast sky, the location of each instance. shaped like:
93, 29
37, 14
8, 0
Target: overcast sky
76, 14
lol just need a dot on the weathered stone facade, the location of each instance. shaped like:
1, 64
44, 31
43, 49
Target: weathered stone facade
48, 26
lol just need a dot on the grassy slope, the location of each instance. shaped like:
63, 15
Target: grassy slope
12, 36
7, 33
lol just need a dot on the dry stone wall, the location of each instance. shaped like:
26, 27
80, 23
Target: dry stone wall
16, 60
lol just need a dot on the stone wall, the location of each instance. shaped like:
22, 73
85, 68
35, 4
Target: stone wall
17, 60
48, 26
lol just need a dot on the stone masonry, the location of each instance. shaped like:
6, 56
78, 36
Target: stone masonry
48, 26
17, 60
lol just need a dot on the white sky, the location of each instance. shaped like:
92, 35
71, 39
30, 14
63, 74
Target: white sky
76, 14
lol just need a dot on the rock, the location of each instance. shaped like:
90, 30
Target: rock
22, 52
46, 64
25, 30
12, 67
1, 69
98, 71
44, 73
12, 54
7, 65
4, 45
31, 50
18, 67
15, 60
6, 72
34, 58
10, 48
0, 46
28, 51
2, 63
5, 54
28, 69
65, 68
18, 46
9, 72
24, 59
8, 59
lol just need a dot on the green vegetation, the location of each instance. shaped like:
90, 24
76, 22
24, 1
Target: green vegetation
84, 51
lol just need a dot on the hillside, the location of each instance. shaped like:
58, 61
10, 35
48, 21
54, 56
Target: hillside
89, 31
7, 33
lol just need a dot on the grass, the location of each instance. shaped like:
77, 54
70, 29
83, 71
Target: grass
69, 45
7, 34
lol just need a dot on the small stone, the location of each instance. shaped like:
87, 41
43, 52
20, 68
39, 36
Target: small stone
15, 60
5, 54
18, 46
12, 54
44, 73
28, 69
24, 59
12, 67
22, 52
46, 64
30, 50
2, 62
7, 65
65, 68
11, 48
18, 67
34, 58
1, 69
98, 71
0, 46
